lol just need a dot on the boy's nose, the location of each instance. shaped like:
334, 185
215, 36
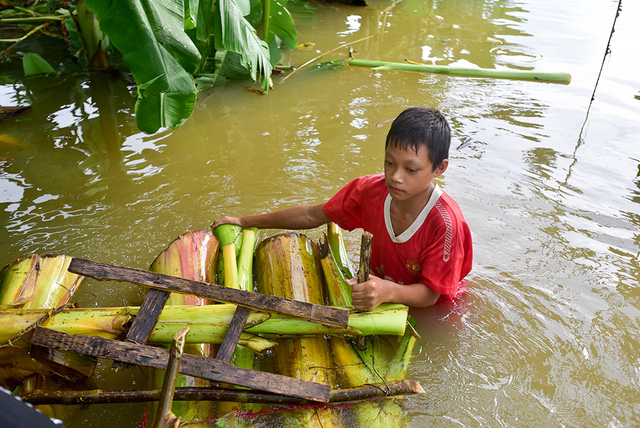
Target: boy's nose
397, 177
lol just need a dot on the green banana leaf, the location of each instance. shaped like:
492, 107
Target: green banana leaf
234, 33
151, 37
280, 24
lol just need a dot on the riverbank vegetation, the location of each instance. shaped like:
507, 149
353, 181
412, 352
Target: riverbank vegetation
172, 48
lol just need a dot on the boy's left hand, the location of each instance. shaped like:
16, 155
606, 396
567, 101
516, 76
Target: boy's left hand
369, 294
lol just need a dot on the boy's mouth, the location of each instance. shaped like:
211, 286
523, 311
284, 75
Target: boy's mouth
394, 189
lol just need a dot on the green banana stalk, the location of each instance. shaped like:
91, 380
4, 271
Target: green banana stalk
41, 282
229, 235
339, 250
243, 357
237, 272
208, 323
288, 265
354, 367
192, 255
338, 291
38, 282
552, 77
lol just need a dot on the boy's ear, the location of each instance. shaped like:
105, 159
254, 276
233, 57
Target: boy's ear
442, 168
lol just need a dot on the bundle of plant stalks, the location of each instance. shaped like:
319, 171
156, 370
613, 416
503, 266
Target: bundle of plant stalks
209, 324
288, 265
38, 282
353, 366
193, 255
235, 268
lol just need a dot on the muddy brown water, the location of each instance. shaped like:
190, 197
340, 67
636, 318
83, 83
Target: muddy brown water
548, 333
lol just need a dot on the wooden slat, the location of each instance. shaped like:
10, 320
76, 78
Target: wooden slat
329, 316
206, 368
228, 345
147, 317
144, 322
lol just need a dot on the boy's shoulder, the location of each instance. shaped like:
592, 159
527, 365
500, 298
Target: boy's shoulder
372, 181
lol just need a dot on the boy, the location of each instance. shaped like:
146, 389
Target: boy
421, 247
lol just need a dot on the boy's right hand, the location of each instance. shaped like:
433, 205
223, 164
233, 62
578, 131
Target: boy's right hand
226, 220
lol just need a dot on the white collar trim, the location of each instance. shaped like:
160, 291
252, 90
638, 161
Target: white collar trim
411, 230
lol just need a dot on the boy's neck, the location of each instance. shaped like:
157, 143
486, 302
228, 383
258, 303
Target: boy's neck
404, 213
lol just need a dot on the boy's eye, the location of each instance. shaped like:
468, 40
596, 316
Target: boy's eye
411, 170
389, 163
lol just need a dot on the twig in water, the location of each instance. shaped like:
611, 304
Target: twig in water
323, 54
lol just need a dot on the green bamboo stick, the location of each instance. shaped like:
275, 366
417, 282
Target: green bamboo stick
468, 72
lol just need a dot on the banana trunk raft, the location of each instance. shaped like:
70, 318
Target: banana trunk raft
366, 379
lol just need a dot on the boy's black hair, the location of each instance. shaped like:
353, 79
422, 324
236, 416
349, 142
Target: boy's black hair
421, 126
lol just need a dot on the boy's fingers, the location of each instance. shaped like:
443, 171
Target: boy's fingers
359, 287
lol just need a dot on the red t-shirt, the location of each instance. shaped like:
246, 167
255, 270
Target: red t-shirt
435, 250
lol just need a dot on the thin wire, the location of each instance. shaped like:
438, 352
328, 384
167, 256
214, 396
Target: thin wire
604, 58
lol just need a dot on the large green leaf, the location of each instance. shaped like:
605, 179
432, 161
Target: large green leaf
33, 64
280, 24
163, 110
235, 33
150, 35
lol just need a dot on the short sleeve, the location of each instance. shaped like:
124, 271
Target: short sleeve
345, 208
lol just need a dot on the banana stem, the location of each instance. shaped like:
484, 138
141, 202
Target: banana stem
556, 77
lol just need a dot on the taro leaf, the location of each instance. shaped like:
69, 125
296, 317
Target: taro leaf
148, 34
235, 33
34, 64
70, 25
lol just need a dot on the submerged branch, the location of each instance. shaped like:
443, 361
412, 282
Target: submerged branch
404, 387
312, 60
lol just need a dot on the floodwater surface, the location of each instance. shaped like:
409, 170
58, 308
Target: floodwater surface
547, 334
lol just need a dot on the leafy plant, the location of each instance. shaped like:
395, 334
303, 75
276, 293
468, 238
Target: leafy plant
176, 48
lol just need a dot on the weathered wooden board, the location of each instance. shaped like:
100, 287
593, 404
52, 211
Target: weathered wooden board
329, 316
144, 322
206, 368
147, 317
228, 345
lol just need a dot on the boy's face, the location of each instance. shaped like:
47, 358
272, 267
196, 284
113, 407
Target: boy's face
409, 174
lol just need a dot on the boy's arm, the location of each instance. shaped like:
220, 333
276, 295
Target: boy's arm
369, 294
298, 217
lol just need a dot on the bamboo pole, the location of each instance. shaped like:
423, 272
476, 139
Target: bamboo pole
467, 72
99, 396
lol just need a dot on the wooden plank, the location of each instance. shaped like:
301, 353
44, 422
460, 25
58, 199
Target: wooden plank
147, 317
228, 345
206, 368
144, 322
332, 317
